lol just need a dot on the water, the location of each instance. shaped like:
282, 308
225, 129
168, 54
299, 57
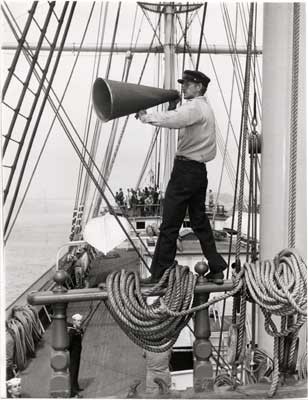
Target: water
42, 227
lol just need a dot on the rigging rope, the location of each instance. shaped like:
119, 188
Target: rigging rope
244, 132
242, 146
127, 117
23, 93
223, 99
128, 60
56, 110
42, 106
96, 64
110, 144
186, 44
113, 40
227, 136
20, 45
234, 56
239, 303
80, 200
102, 193
185, 38
201, 35
98, 124
148, 156
294, 126
245, 32
287, 322
91, 161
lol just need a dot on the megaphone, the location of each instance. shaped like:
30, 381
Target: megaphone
113, 99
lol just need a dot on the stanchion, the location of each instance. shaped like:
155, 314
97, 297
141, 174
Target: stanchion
59, 382
203, 370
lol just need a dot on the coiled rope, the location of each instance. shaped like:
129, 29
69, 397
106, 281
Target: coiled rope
279, 287
26, 330
155, 327
144, 324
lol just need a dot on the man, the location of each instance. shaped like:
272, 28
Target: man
188, 183
14, 388
75, 333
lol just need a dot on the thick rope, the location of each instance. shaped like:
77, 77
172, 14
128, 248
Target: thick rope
279, 287
155, 327
293, 156
293, 125
241, 171
26, 331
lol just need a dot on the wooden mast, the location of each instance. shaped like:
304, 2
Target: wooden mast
169, 134
277, 81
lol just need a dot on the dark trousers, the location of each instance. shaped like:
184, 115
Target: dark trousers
186, 190
74, 371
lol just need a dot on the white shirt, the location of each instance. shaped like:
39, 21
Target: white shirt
197, 131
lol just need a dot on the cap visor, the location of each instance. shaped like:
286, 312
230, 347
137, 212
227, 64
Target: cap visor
181, 81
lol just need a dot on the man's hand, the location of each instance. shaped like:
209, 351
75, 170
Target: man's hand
140, 114
174, 103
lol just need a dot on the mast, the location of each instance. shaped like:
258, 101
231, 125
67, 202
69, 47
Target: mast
169, 51
169, 9
276, 106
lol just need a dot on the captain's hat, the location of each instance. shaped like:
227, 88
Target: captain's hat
77, 317
195, 76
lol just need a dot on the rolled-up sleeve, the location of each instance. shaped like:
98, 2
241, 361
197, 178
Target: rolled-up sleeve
186, 115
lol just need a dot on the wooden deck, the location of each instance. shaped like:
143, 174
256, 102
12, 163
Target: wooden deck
110, 362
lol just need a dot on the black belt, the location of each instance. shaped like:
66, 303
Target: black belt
182, 158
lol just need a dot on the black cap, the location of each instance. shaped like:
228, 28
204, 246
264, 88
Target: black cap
195, 76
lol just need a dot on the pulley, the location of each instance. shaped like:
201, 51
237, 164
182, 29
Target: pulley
254, 144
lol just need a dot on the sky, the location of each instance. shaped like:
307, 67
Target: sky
59, 165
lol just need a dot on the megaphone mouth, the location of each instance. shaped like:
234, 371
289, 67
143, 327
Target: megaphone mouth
102, 99
113, 99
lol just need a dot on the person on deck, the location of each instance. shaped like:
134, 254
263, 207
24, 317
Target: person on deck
14, 388
75, 333
188, 182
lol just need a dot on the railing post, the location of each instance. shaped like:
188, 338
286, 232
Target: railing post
203, 370
60, 381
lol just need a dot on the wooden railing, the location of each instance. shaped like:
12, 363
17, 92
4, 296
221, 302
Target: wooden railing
155, 210
59, 298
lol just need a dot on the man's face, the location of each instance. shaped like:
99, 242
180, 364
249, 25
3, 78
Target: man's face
191, 89
77, 323
15, 390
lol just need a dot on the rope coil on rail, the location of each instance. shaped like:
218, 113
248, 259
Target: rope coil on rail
279, 287
26, 331
146, 325
155, 327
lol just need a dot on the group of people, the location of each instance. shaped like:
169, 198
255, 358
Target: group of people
140, 202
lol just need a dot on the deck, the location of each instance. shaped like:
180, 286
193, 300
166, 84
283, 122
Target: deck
111, 363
